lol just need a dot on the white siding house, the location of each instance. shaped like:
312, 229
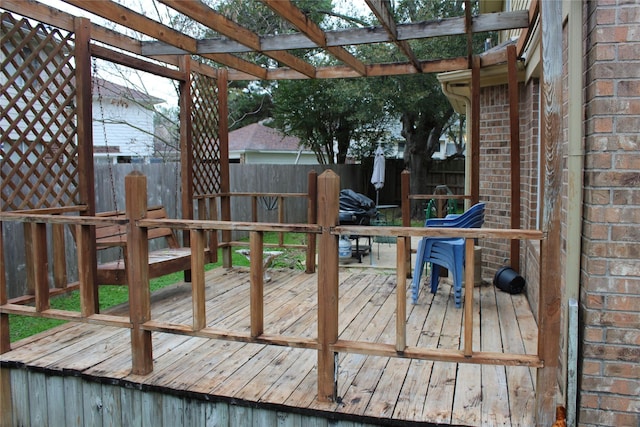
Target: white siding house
123, 128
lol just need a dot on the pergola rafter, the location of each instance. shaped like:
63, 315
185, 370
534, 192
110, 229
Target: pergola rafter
204, 14
298, 19
380, 9
138, 22
168, 44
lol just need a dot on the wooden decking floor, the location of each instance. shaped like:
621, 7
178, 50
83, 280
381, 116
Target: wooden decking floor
374, 388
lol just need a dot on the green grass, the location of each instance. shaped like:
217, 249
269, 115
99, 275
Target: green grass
110, 296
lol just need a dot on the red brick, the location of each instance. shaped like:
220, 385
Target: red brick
624, 251
623, 336
598, 197
596, 231
602, 418
611, 385
597, 266
624, 267
588, 400
627, 142
627, 124
600, 160
592, 334
591, 367
628, 15
620, 403
611, 35
620, 369
627, 161
626, 197
615, 319
621, 302
604, 52
629, 52
625, 233
605, 16
627, 88
594, 301
612, 179
602, 124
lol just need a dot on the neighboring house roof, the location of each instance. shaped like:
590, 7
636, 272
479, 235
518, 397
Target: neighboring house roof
258, 137
108, 89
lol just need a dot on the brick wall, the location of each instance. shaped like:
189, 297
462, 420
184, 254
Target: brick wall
610, 270
495, 175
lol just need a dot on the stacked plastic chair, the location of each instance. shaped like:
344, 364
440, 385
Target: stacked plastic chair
445, 252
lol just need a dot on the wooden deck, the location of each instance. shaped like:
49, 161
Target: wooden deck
375, 390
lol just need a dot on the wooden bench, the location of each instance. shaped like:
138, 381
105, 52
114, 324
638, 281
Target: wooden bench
163, 261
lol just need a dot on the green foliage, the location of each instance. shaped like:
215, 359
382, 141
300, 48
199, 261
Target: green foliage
347, 112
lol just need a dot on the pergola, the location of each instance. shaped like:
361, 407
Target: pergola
170, 53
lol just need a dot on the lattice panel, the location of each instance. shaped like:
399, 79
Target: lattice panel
37, 117
205, 135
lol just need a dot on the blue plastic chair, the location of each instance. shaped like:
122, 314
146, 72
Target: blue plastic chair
445, 252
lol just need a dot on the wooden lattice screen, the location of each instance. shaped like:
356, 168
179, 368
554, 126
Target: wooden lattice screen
205, 136
39, 148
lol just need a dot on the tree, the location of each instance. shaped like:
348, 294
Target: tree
331, 116
418, 99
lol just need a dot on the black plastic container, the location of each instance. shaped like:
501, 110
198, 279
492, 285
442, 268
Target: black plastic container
508, 280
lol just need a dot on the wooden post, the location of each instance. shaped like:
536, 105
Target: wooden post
550, 247
254, 208
475, 130
85, 239
198, 239
204, 213
186, 150
281, 219
256, 240
59, 256
514, 124
312, 218
401, 295
469, 270
40, 265
405, 203
138, 272
86, 184
328, 212
223, 132
27, 228
5, 345
213, 234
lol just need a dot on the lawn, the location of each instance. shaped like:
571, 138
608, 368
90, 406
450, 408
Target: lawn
109, 296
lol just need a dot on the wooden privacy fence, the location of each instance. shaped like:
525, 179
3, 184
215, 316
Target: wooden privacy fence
327, 342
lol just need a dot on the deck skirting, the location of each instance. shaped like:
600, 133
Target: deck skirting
54, 398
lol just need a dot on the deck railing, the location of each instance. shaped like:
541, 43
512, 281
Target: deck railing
327, 342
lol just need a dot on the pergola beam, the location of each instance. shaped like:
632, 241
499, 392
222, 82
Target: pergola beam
171, 44
288, 11
205, 15
138, 22
353, 36
381, 9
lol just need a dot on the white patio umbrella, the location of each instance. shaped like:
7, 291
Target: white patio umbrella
377, 177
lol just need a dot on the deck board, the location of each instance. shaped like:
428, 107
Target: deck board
369, 386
